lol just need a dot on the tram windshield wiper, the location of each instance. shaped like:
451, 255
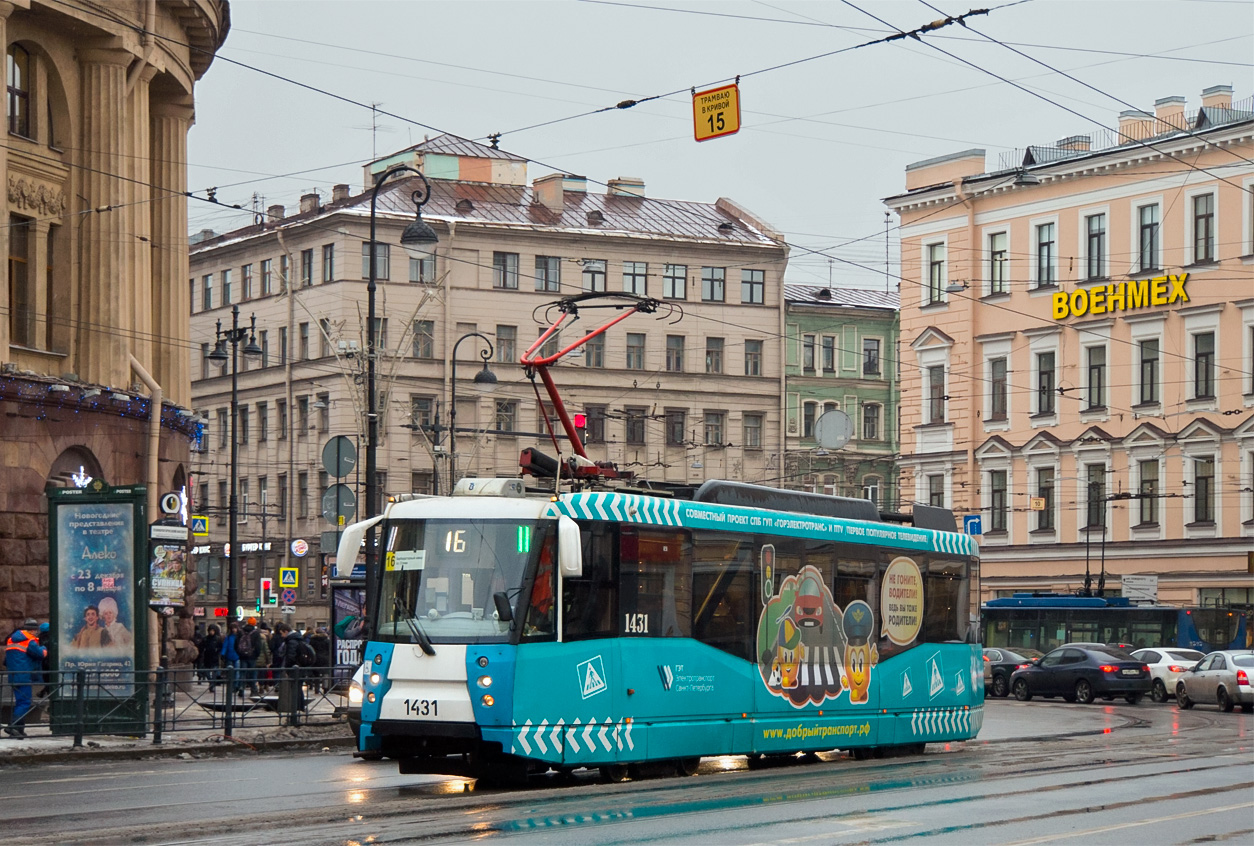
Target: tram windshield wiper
415, 625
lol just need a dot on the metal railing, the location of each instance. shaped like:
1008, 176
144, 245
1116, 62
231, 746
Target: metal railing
215, 703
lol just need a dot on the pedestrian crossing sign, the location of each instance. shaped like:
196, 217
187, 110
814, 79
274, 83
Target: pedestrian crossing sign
200, 527
289, 577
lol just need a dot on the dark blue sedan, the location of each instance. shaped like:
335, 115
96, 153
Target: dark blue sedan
1080, 674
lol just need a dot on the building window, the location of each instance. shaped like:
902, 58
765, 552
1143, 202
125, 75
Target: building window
267, 277
302, 417
752, 431
224, 432
19, 91
1203, 228
676, 425
24, 309
809, 411
997, 389
1204, 365
870, 422
1148, 493
548, 273
807, 353
871, 490
594, 275
870, 356
550, 347
422, 268
1096, 393
675, 353
328, 263
595, 426
506, 344
635, 277
285, 276
936, 394
382, 261
675, 281
753, 358
997, 500
507, 416
753, 286
505, 270
1095, 246
1149, 352
1045, 255
714, 424
322, 402
594, 351
713, 355
424, 339
421, 411
998, 263
1204, 490
713, 280
634, 425
246, 282
302, 495
241, 424
206, 288
829, 354
1045, 490
1147, 240
280, 408
306, 268
935, 273
635, 351
263, 422
936, 490
222, 497
324, 337
1095, 502
1045, 383
204, 361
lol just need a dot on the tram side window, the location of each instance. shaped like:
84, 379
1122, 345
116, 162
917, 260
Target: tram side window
722, 591
944, 602
654, 579
855, 579
540, 612
588, 601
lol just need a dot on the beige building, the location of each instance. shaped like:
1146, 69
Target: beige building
1078, 352
94, 303
690, 392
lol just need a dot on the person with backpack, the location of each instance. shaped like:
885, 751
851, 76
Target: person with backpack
294, 652
230, 658
211, 655
248, 646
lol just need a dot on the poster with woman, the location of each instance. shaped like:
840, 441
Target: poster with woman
167, 573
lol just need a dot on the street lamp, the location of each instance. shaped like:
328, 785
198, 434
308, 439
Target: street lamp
485, 381
233, 336
416, 237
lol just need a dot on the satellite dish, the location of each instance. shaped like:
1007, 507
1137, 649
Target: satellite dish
833, 429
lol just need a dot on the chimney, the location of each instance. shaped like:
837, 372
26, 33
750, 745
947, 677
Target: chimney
1217, 97
339, 192
275, 213
574, 184
626, 186
309, 202
549, 192
1076, 143
1170, 113
1134, 125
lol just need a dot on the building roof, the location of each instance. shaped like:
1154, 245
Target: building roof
455, 145
841, 297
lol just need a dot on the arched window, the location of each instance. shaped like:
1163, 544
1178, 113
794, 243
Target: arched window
19, 91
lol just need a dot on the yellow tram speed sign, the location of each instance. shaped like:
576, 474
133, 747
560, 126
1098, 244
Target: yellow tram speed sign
716, 112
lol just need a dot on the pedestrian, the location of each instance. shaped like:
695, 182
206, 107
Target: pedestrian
230, 658
321, 643
248, 647
293, 650
211, 655
23, 658
265, 657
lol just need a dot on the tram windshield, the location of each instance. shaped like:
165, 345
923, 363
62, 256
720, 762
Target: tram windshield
442, 577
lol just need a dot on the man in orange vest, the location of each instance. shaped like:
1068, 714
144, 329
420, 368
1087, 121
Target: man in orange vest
23, 658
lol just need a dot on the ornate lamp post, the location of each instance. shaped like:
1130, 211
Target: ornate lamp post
485, 380
417, 238
234, 336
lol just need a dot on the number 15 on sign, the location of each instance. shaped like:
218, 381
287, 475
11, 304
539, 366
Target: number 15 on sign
716, 112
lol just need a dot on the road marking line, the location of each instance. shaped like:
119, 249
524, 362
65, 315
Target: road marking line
1103, 829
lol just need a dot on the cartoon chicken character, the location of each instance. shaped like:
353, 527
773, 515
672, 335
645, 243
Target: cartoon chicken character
860, 656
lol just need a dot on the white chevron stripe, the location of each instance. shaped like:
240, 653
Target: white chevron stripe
627, 735
618, 740
572, 739
600, 507
587, 735
539, 738
615, 509
604, 730
555, 737
522, 737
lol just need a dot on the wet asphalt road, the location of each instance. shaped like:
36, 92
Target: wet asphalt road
1041, 772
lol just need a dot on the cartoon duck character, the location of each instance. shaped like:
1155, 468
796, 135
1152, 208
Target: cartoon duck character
860, 656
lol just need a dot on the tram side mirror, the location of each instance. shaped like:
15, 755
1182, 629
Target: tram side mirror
503, 612
569, 548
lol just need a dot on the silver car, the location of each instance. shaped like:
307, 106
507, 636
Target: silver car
1223, 678
1166, 664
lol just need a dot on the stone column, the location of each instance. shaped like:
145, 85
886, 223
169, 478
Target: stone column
171, 304
106, 301
138, 217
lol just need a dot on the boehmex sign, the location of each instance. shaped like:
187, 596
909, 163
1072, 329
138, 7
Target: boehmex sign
1121, 296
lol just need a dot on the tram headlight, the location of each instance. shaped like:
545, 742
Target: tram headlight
487, 700
485, 681
375, 678
370, 696
483, 660
355, 694
378, 659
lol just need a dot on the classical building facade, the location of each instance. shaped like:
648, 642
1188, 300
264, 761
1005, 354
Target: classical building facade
691, 392
93, 333
1078, 368
841, 355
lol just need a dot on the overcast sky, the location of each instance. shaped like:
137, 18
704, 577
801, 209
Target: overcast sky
823, 140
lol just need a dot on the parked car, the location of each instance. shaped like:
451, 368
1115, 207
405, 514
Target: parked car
1000, 662
1080, 675
1166, 664
1223, 678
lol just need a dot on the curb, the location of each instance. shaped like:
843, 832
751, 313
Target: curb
218, 749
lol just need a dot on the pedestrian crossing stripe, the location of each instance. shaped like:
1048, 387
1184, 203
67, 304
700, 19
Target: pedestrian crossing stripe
288, 577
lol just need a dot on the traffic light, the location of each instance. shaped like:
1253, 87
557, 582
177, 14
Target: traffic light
581, 423
265, 596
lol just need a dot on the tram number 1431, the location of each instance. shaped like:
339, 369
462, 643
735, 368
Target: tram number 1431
636, 623
422, 708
